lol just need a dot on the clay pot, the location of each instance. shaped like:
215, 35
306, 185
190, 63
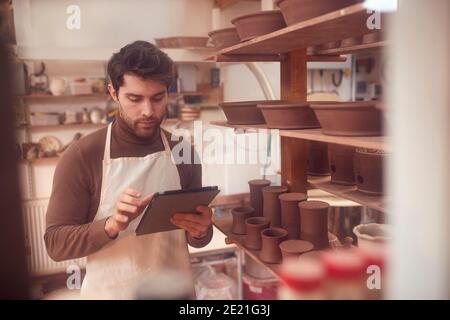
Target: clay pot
256, 196
257, 24
244, 112
270, 240
351, 42
271, 204
289, 116
295, 11
361, 118
341, 164
290, 214
253, 228
294, 248
318, 163
240, 214
371, 38
368, 166
314, 223
224, 38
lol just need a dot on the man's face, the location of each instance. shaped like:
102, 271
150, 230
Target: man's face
142, 104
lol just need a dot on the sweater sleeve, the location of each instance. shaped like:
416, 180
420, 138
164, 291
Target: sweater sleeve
69, 233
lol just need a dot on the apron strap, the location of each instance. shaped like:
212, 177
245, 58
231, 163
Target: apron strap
107, 153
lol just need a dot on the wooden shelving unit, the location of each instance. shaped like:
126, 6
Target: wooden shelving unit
315, 135
63, 126
289, 47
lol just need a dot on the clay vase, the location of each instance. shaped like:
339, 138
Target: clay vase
256, 196
290, 214
294, 248
314, 223
368, 166
240, 214
341, 164
270, 240
318, 164
271, 204
253, 228
257, 24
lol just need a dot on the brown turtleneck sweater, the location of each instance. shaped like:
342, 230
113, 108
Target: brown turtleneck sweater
71, 232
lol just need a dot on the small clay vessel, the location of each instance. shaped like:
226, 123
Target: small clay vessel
318, 163
351, 42
257, 24
271, 239
240, 214
256, 196
253, 228
271, 206
341, 164
368, 164
314, 223
244, 112
371, 38
294, 248
290, 214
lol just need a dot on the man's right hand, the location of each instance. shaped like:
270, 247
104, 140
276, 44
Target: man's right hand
128, 207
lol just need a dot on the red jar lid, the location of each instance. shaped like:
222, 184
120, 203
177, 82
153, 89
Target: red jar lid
344, 263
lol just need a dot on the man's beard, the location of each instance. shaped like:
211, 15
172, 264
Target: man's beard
142, 127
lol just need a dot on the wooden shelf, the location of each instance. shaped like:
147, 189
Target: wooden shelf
362, 48
347, 192
315, 135
272, 58
222, 4
49, 96
64, 126
337, 25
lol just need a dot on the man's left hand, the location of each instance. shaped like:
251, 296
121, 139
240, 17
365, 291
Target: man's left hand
196, 225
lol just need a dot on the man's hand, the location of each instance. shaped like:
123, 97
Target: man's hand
128, 207
196, 225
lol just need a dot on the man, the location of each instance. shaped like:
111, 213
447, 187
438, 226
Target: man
104, 181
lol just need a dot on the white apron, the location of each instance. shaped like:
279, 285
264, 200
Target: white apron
114, 271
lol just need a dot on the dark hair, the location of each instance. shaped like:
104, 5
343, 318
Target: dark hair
143, 59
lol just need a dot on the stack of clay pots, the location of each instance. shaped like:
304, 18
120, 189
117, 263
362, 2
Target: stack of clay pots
360, 166
280, 224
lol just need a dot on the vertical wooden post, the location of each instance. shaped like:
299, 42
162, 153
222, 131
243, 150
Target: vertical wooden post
293, 151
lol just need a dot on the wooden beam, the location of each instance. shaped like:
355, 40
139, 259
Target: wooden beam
293, 151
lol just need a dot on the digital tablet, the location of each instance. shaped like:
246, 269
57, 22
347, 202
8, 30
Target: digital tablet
156, 217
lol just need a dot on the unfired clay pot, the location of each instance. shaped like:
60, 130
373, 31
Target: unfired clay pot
360, 118
223, 38
328, 46
290, 214
294, 248
314, 223
341, 164
244, 112
295, 11
253, 227
271, 239
368, 166
257, 24
256, 196
318, 162
240, 214
272, 207
289, 116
